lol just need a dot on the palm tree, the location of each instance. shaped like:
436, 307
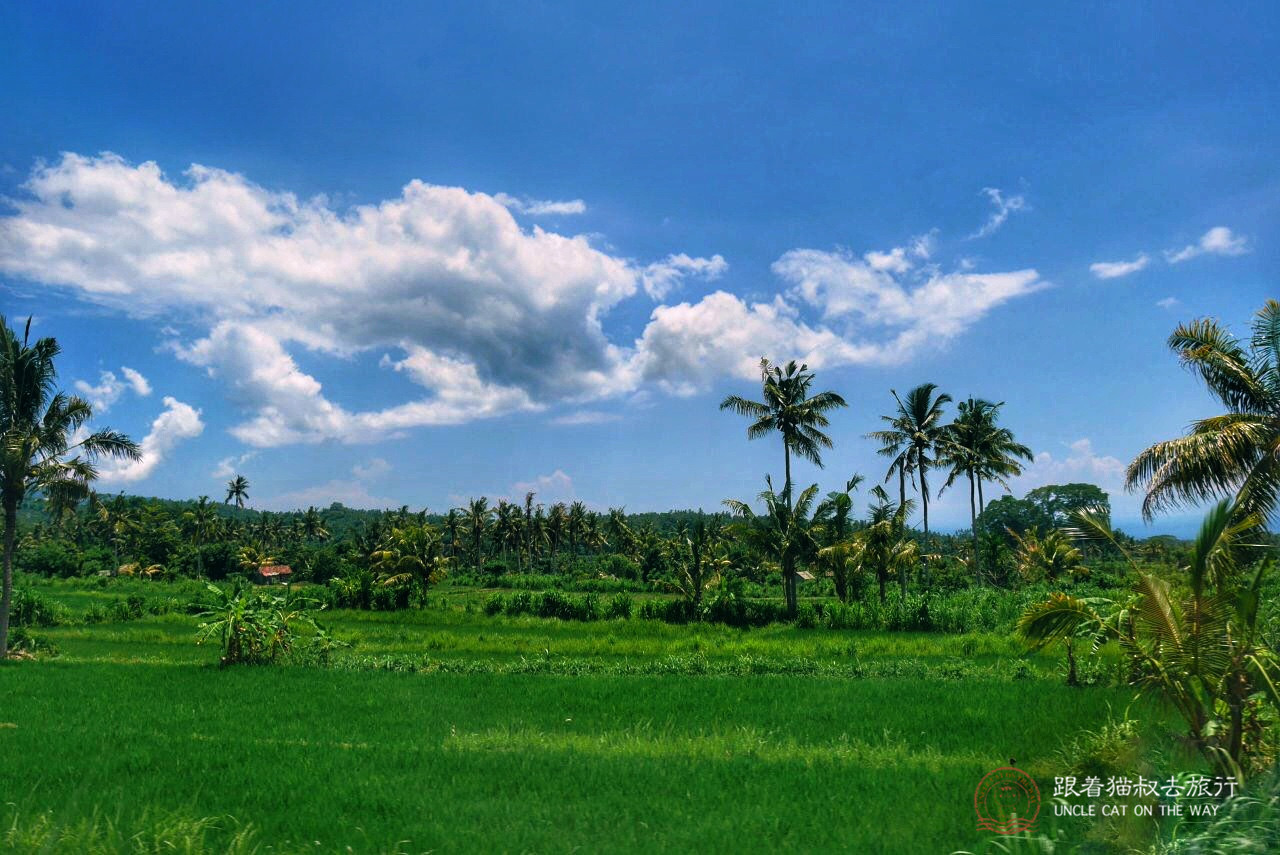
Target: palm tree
478, 514
915, 433
783, 533
312, 526
1238, 452
38, 430
200, 523
839, 552
885, 546
413, 554
974, 446
789, 409
1202, 651
237, 490
698, 560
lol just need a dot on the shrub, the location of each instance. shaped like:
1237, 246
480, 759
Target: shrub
494, 605
30, 609
252, 627
619, 606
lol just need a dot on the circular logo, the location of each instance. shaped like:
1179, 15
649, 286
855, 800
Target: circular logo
1007, 801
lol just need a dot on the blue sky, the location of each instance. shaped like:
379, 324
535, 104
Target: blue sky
408, 255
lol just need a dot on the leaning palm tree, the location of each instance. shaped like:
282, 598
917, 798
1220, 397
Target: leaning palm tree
789, 409
1238, 452
237, 491
915, 434
41, 449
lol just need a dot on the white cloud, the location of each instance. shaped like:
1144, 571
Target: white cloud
1004, 206
374, 469
1116, 269
141, 386
662, 276
229, 466
586, 417
1081, 464
353, 494
1169, 303
556, 487
917, 311
1219, 240
179, 421
541, 207
110, 388
485, 317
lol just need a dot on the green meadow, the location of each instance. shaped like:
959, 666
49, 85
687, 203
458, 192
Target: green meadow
443, 729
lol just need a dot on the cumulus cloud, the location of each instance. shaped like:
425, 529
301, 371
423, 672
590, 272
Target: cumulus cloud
178, 422
662, 276
1081, 463
1219, 240
1004, 206
110, 388
473, 314
556, 487
927, 309
1116, 269
229, 466
541, 207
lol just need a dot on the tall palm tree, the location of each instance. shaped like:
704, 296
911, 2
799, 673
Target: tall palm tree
974, 446
1238, 452
915, 434
200, 523
237, 491
478, 514
788, 408
38, 431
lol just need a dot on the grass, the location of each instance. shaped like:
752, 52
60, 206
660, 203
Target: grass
523, 735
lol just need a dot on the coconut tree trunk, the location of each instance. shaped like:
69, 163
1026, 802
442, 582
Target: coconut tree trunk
6, 600
982, 506
973, 528
788, 564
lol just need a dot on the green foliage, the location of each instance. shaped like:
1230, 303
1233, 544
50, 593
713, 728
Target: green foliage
251, 626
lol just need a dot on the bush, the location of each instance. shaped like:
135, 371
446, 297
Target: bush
619, 606
30, 609
51, 558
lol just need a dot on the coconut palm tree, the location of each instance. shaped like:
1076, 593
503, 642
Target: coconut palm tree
789, 409
200, 523
1233, 454
783, 532
840, 550
699, 562
885, 546
237, 491
41, 449
312, 526
1202, 649
478, 514
413, 554
915, 435
974, 446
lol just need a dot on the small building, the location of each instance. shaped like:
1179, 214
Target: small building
273, 574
